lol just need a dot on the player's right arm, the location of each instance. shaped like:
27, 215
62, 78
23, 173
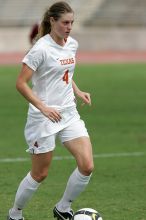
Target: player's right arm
23, 87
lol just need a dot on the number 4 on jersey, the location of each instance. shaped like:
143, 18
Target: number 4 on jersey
65, 77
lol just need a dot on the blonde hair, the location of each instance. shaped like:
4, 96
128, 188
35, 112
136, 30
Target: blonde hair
55, 11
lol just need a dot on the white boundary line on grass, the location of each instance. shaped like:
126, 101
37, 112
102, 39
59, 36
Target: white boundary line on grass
108, 155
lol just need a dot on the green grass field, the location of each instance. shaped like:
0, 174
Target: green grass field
116, 122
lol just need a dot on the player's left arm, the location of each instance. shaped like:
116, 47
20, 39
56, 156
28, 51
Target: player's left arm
83, 95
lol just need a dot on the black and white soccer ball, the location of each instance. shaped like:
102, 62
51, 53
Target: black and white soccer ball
86, 214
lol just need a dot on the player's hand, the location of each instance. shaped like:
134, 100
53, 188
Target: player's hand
51, 113
85, 98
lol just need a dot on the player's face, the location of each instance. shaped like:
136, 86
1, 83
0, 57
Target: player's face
63, 26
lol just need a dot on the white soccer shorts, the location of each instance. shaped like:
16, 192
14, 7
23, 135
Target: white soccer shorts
41, 136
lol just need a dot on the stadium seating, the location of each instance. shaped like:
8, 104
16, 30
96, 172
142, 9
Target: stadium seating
25, 13
119, 13
93, 13
88, 13
108, 24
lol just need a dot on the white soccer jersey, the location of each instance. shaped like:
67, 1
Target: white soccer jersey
53, 67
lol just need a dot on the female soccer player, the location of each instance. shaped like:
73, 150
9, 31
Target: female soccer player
52, 111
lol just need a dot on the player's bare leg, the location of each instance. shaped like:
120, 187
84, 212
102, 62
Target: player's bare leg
28, 186
40, 165
81, 149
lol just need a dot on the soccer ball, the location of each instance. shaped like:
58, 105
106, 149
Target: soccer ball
87, 214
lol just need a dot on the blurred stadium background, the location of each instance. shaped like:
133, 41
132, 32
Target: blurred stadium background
101, 26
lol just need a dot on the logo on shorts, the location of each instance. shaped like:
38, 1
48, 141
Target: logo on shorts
36, 144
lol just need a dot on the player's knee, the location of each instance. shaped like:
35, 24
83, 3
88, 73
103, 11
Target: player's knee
88, 169
39, 177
